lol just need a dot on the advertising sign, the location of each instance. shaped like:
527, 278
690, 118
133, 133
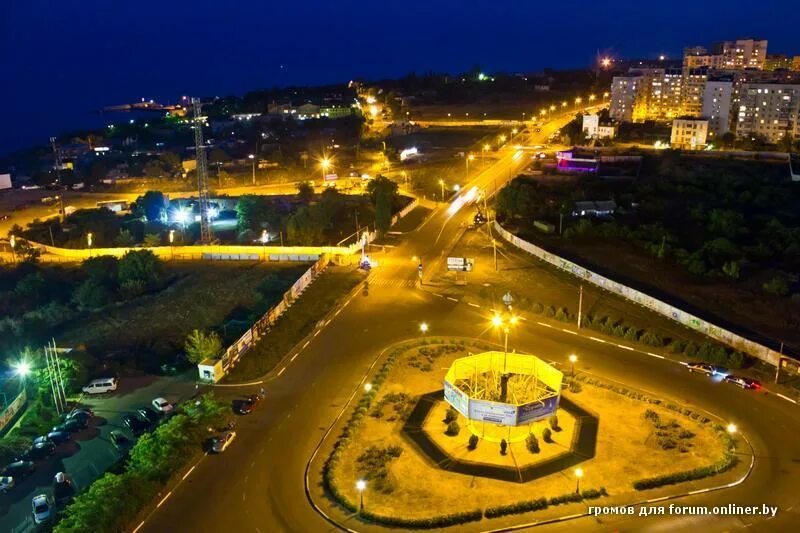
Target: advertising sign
497, 413
463, 264
331, 177
456, 398
537, 410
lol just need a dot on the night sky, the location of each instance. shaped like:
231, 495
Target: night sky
63, 59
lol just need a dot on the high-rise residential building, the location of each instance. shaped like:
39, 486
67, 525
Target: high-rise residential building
741, 54
717, 106
778, 62
770, 110
693, 83
696, 57
689, 133
626, 94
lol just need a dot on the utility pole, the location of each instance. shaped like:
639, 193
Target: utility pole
580, 305
60, 375
202, 174
778, 366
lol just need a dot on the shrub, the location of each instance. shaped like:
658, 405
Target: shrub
537, 308
473, 442
562, 314
619, 331
691, 350
451, 415
553, 420
652, 416
532, 443
503, 447
550, 311
574, 386
677, 346
547, 435
652, 339
452, 429
632, 334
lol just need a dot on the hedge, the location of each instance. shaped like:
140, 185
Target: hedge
424, 523
538, 504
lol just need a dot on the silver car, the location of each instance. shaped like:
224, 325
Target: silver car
42, 508
223, 441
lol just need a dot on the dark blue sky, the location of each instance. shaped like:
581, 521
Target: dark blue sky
62, 59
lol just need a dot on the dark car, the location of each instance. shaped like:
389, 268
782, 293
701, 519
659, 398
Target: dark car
79, 412
19, 469
59, 437
40, 450
743, 382
72, 425
43, 438
149, 414
119, 440
247, 405
135, 424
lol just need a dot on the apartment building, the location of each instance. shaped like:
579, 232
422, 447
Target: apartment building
717, 106
626, 94
689, 133
770, 110
740, 54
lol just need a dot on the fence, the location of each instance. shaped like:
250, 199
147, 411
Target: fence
12, 409
715, 332
403, 212
214, 370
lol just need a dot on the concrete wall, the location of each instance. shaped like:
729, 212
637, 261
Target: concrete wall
674, 313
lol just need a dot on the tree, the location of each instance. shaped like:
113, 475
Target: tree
305, 191
303, 229
732, 269
140, 266
382, 192
218, 156
155, 169
786, 143
91, 294
171, 163
727, 140
152, 239
102, 268
777, 285
151, 205
125, 239
200, 346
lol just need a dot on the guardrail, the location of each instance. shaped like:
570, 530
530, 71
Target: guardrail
215, 369
674, 313
12, 409
403, 212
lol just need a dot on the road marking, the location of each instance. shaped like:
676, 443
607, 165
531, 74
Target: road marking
598, 340
281, 371
316, 333
452, 299
295, 356
138, 527
545, 325
306, 344
569, 331
699, 491
337, 311
625, 347
164, 499
437, 294
787, 398
474, 305
189, 472
651, 354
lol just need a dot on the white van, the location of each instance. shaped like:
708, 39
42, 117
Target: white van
99, 386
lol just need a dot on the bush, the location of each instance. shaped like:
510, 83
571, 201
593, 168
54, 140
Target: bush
550, 311
473, 442
574, 386
547, 435
532, 443
652, 339
553, 421
677, 346
537, 308
451, 415
503, 447
562, 315
632, 334
452, 429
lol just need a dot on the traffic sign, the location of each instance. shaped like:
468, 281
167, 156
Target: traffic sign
462, 264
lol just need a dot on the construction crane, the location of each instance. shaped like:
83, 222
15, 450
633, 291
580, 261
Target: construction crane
206, 235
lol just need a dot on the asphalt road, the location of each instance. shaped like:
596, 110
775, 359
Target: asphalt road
257, 484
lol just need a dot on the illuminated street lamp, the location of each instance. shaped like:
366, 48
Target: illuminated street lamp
505, 322
252, 159
441, 184
171, 242
572, 360
470, 157
564, 104
578, 476
484, 149
89, 242
605, 94
367, 387
578, 100
552, 108
12, 240
325, 163
605, 62
731, 428
22, 368
591, 97
502, 139
423, 327
361, 486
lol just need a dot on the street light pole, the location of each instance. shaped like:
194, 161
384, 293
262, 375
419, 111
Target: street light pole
441, 184
580, 305
578, 476
253, 160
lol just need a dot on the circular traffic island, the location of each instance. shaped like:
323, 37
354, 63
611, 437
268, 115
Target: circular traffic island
451, 431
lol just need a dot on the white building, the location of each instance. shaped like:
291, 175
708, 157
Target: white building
717, 106
625, 92
689, 133
593, 129
740, 54
771, 110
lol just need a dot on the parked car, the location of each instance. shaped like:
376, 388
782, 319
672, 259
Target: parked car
135, 424
79, 412
162, 406
40, 450
743, 382
119, 440
6, 483
19, 469
247, 405
62, 488
41, 439
59, 437
223, 441
703, 368
72, 425
149, 415
42, 508
100, 386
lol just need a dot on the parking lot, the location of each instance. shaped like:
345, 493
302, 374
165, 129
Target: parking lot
90, 451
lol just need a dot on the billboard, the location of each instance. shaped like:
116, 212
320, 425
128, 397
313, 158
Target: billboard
456, 398
463, 264
5, 181
497, 413
537, 410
